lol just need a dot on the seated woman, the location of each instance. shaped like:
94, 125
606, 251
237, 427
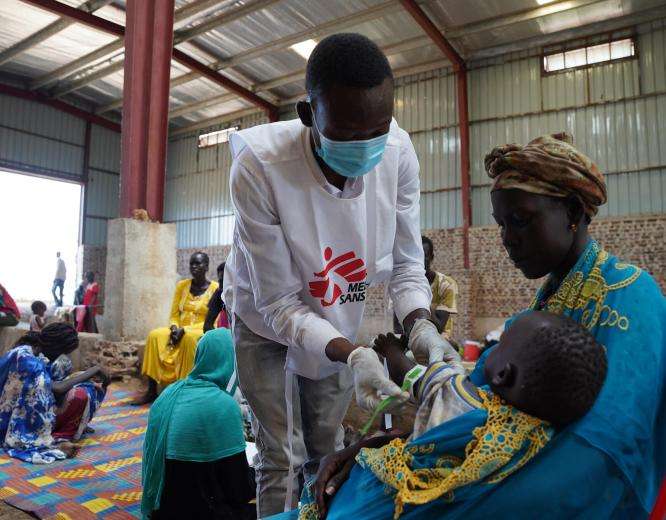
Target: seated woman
544, 196
169, 353
546, 373
87, 310
40, 407
217, 310
194, 463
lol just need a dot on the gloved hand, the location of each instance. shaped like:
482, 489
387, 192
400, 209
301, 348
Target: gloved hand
424, 340
371, 382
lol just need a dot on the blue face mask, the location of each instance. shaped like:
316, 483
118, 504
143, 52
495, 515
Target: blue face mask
351, 158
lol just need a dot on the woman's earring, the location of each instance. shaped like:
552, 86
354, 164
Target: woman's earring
573, 227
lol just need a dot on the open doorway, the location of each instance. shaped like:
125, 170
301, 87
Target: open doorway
41, 217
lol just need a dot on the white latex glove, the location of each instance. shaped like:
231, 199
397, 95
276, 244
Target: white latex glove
424, 340
370, 380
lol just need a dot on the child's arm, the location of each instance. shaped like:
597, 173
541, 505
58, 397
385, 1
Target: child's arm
398, 363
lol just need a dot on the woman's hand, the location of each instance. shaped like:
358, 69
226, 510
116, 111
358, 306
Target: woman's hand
176, 335
103, 376
334, 469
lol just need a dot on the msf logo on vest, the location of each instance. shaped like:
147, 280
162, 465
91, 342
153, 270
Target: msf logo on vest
342, 280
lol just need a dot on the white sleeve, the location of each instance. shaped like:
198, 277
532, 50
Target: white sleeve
274, 277
408, 287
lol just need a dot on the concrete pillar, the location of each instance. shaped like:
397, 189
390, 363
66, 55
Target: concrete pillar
148, 48
140, 278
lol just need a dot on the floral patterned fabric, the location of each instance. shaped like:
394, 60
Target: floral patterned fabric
548, 165
28, 407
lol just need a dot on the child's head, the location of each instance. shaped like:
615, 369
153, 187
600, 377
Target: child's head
38, 307
90, 276
548, 366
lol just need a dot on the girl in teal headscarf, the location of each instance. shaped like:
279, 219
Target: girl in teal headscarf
194, 463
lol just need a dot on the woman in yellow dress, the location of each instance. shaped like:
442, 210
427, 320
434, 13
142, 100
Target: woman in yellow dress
169, 353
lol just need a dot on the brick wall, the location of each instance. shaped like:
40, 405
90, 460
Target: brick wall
492, 289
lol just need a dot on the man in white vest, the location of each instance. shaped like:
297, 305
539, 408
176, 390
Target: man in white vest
325, 205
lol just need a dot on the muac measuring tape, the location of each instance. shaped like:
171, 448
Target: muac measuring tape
411, 377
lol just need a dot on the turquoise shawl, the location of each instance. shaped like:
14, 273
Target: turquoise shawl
195, 419
608, 464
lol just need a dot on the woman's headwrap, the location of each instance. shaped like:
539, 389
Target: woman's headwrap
548, 165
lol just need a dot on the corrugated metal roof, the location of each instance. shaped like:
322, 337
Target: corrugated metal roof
473, 25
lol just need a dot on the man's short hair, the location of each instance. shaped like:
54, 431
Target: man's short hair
348, 60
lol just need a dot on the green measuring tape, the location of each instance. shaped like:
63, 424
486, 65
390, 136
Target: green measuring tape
411, 377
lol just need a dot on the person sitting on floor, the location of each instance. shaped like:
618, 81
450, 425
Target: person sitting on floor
9, 312
216, 307
546, 373
169, 353
37, 321
194, 463
41, 408
87, 310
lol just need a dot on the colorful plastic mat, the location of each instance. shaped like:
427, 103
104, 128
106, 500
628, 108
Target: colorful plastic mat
102, 481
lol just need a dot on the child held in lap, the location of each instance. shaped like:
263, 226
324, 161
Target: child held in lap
545, 365
545, 373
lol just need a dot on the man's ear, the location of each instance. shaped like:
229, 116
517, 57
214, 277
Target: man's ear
505, 377
304, 112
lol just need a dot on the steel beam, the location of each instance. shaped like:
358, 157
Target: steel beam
319, 31
331, 27
144, 134
50, 30
73, 66
421, 18
181, 57
59, 105
460, 70
179, 37
78, 16
216, 77
158, 115
224, 118
218, 120
500, 22
419, 68
396, 48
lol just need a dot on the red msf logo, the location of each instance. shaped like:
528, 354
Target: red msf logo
343, 268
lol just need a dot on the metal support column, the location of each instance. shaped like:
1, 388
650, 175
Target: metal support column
460, 70
148, 44
158, 118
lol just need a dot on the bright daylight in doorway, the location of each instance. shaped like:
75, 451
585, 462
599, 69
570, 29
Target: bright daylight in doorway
44, 219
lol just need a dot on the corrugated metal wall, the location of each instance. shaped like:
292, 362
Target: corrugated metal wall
426, 107
38, 139
102, 191
197, 189
616, 113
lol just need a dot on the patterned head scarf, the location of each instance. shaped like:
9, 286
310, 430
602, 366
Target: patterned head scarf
548, 165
